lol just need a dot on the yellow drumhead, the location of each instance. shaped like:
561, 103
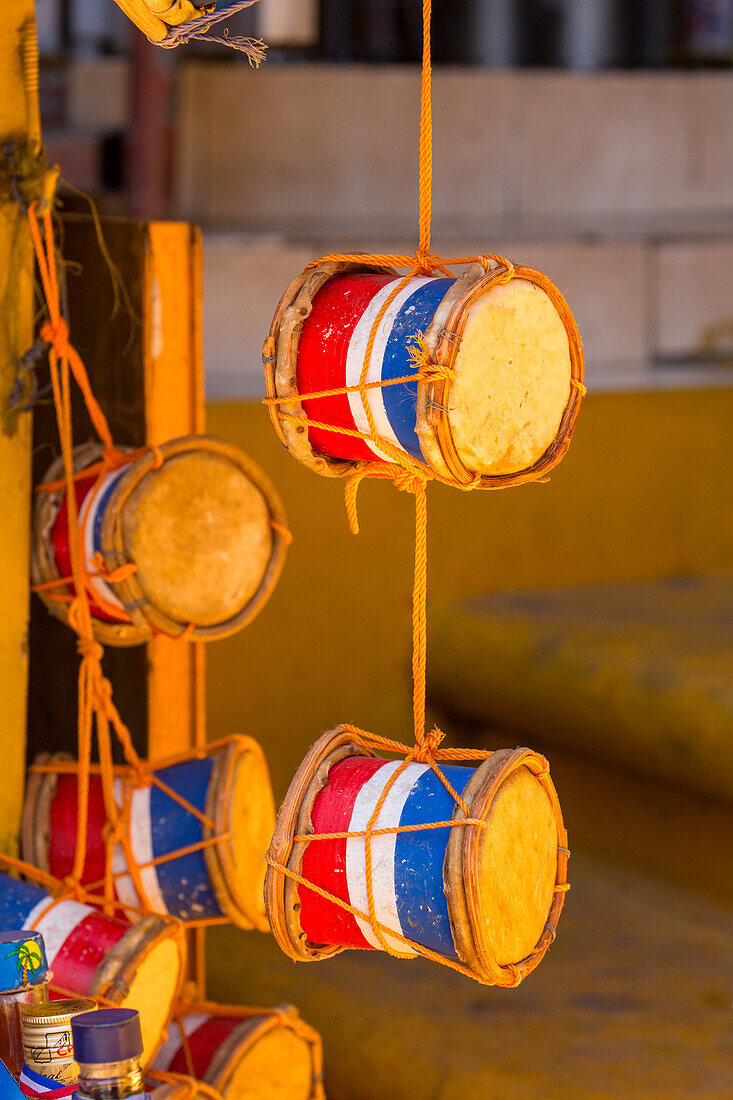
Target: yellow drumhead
252, 825
198, 530
517, 867
152, 991
513, 372
279, 1066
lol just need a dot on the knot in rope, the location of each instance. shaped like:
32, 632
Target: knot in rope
56, 333
114, 576
426, 261
428, 746
89, 649
72, 888
409, 481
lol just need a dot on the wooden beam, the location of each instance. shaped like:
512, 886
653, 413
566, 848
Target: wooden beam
18, 117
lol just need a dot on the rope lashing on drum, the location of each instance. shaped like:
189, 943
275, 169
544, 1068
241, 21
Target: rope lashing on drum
276, 1017
97, 712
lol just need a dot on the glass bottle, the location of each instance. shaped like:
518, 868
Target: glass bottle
108, 1045
23, 981
47, 1043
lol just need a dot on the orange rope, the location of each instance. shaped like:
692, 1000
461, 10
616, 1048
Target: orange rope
411, 476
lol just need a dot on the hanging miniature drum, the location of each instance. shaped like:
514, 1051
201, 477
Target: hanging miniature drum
265, 1056
487, 894
94, 955
189, 536
221, 869
496, 404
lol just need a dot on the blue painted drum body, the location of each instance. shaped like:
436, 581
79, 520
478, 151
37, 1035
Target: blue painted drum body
159, 825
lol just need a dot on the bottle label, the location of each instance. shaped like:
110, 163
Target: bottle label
33, 1083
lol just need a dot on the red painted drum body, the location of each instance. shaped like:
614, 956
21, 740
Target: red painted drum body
228, 785
94, 955
487, 898
188, 537
263, 1056
477, 378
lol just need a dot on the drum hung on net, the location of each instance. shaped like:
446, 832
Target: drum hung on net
273, 1056
190, 536
496, 406
228, 784
94, 955
487, 896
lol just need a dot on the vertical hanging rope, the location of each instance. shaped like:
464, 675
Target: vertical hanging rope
426, 135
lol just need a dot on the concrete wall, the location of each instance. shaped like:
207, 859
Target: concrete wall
301, 147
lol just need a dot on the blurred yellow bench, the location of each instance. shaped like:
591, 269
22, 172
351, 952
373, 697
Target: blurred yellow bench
639, 673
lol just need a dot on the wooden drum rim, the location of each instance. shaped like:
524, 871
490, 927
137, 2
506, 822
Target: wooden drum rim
218, 857
461, 868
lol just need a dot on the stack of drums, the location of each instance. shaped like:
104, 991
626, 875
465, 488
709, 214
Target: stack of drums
265, 1056
485, 895
498, 406
193, 532
91, 954
229, 785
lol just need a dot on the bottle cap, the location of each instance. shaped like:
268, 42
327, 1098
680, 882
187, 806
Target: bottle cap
108, 1035
22, 960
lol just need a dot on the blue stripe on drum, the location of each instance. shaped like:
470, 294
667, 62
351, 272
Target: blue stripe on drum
407, 868
183, 882
17, 900
400, 402
419, 858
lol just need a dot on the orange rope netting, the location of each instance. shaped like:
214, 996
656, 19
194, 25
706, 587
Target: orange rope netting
408, 475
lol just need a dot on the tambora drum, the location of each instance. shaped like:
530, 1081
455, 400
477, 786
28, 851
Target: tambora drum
497, 406
187, 536
228, 784
94, 955
487, 895
263, 1056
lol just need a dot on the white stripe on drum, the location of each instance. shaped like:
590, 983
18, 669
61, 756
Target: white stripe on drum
383, 850
355, 360
172, 1044
124, 886
58, 924
87, 515
141, 840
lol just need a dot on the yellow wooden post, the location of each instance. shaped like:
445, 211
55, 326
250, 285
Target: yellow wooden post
18, 123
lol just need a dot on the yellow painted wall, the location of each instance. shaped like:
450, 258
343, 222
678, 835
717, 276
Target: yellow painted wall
15, 441
643, 493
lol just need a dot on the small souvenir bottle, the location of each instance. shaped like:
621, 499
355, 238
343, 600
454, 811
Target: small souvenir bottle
108, 1045
23, 981
49, 1063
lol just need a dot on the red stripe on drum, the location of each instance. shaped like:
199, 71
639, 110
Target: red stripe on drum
203, 1042
324, 861
63, 829
81, 954
322, 353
